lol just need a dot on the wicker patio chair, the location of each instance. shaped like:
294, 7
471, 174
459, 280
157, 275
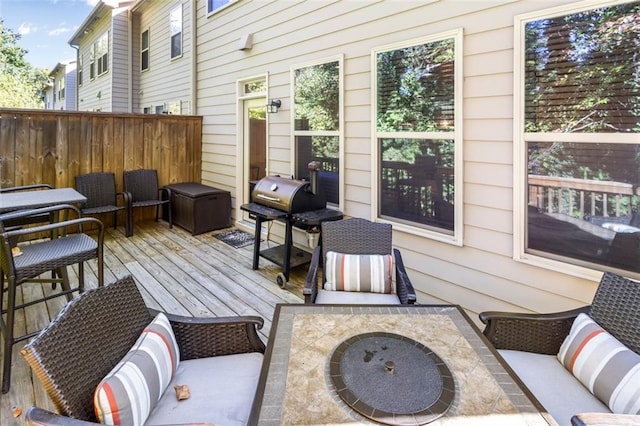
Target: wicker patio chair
30, 219
26, 262
143, 186
100, 327
100, 190
356, 236
615, 307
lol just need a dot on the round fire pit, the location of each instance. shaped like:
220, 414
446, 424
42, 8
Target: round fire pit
391, 379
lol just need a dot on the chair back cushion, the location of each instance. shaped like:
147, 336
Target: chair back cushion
130, 392
99, 188
84, 342
371, 273
606, 367
616, 308
142, 184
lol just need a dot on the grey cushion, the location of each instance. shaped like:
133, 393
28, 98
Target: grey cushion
222, 391
327, 297
553, 385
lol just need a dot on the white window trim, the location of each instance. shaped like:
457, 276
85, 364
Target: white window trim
148, 50
458, 232
221, 8
520, 180
98, 59
173, 58
339, 132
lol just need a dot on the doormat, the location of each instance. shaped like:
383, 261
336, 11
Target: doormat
235, 238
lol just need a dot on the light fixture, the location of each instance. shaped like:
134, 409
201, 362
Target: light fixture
273, 105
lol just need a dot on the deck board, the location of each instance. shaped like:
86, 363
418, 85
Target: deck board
177, 273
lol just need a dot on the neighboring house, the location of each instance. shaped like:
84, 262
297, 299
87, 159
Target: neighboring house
61, 93
485, 132
136, 56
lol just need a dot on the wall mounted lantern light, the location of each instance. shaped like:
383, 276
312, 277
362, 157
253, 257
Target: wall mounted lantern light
273, 105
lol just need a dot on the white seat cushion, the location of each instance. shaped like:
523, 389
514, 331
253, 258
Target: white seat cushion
556, 388
327, 297
222, 390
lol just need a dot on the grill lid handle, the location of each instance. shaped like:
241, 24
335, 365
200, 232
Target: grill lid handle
266, 197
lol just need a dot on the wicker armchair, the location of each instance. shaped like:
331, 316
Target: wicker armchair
100, 190
26, 262
355, 236
100, 327
615, 307
143, 186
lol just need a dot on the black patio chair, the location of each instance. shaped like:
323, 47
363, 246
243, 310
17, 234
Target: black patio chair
356, 236
143, 186
100, 190
21, 263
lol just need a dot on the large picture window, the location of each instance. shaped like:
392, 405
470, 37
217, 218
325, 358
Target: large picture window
417, 135
175, 25
317, 123
580, 150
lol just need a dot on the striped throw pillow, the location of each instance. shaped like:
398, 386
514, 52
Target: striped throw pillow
610, 370
372, 273
128, 394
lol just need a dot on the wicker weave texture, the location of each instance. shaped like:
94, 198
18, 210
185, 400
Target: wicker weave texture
616, 307
87, 339
100, 190
143, 186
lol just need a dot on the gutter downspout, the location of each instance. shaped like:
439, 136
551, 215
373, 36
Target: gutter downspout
194, 61
77, 85
130, 61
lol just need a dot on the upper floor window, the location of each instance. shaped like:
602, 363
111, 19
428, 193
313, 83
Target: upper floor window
317, 123
579, 150
102, 53
175, 24
79, 69
215, 5
144, 50
418, 141
92, 62
61, 89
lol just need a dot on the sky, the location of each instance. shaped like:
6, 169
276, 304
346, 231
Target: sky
45, 27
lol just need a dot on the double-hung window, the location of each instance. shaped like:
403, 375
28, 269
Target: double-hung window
80, 70
418, 137
175, 26
61, 89
102, 53
317, 118
144, 50
92, 62
577, 147
216, 5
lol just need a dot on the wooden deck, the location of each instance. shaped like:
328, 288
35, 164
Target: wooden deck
178, 273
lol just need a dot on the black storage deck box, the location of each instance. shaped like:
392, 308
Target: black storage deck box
200, 208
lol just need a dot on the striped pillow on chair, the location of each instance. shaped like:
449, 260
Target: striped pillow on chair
130, 392
372, 273
606, 367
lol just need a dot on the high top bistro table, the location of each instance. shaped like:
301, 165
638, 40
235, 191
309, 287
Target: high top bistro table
297, 384
42, 198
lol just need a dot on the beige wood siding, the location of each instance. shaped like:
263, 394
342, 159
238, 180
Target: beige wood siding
166, 81
480, 275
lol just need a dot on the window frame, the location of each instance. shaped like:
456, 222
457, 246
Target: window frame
335, 133
521, 138
146, 50
455, 238
176, 55
92, 62
211, 10
61, 88
79, 71
102, 58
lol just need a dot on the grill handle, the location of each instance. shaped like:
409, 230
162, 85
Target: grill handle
266, 197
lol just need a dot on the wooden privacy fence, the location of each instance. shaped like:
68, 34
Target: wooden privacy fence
41, 146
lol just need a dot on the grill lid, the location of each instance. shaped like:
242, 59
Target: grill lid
289, 195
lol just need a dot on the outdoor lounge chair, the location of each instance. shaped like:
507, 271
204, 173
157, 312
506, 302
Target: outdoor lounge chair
219, 360
143, 186
100, 190
532, 345
369, 242
26, 262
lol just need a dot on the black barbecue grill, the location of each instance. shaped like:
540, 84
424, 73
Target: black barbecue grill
297, 203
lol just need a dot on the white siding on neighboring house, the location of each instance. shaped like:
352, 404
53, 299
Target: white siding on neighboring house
119, 67
167, 82
479, 275
63, 75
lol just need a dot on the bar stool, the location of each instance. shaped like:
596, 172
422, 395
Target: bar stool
26, 262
